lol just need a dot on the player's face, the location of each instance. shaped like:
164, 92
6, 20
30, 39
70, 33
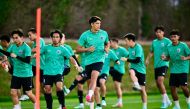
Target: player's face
56, 38
17, 39
32, 36
4, 43
128, 42
96, 25
159, 33
174, 38
112, 44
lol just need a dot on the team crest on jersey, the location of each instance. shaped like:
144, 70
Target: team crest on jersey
178, 50
117, 53
58, 51
133, 52
162, 44
20, 52
101, 37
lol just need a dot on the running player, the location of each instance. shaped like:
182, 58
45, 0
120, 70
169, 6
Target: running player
102, 78
93, 42
178, 53
54, 59
157, 48
118, 70
136, 60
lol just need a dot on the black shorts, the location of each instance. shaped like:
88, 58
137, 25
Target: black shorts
18, 82
141, 78
41, 73
84, 76
50, 79
160, 71
178, 79
116, 76
103, 76
67, 70
95, 66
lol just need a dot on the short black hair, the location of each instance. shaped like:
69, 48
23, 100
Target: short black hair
130, 36
94, 19
17, 31
159, 27
114, 40
5, 38
33, 30
56, 31
175, 32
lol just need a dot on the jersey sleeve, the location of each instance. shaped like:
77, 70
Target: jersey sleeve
27, 51
187, 51
113, 56
125, 53
152, 47
82, 40
138, 51
66, 53
107, 38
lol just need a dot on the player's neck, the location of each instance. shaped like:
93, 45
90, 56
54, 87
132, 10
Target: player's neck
19, 44
133, 44
160, 38
175, 43
56, 44
93, 30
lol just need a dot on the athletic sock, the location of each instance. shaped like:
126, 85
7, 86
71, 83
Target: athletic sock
103, 98
188, 100
90, 93
144, 105
91, 105
164, 98
99, 105
73, 85
120, 100
61, 97
80, 96
177, 103
136, 83
49, 100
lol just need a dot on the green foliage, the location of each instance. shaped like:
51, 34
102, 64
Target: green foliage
146, 25
99, 7
4, 10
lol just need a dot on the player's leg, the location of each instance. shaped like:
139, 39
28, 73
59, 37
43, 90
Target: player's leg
48, 83
134, 79
103, 89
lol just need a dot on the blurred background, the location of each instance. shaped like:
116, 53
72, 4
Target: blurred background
118, 16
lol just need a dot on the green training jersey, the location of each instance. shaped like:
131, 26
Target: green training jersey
67, 61
54, 59
134, 52
42, 63
1, 49
111, 56
21, 69
120, 52
82, 62
158, 47
98, 41
175, 52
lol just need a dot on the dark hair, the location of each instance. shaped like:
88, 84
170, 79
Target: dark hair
5, 38
159, 27
33, 30
130, 36
17, 31
114, 40
56, 31
175, 32
94, 19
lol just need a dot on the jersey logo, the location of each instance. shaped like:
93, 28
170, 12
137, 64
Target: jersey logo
58, 51
162, 44
117, 53
178, 50
101, 37
133, 52
20, 52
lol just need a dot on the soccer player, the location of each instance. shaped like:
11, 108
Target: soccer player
118, 70
102, 78
22, 70
136, 60
178, 53
93, 42
158, 47
55, 55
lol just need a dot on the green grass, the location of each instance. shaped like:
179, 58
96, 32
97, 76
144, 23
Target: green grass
129, 102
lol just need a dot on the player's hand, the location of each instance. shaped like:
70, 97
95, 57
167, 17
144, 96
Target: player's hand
163, 57
147, 62
13, 55
117, 62
79, 68
183, 58
91, 49
123, 59
33, 56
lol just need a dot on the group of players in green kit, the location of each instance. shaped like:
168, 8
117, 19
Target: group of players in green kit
97, 51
